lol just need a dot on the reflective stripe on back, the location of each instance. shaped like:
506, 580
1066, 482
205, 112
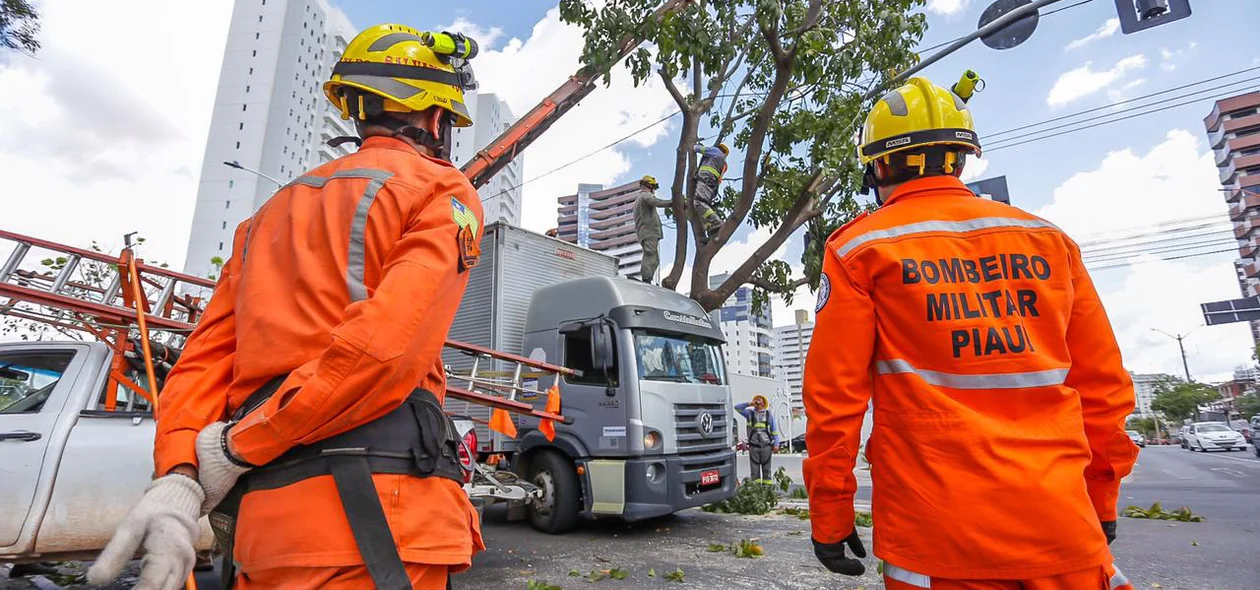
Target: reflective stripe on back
977, 380
922, 227
906, 576
356, 261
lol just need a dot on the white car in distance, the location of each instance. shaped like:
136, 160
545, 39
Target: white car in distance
1208, 436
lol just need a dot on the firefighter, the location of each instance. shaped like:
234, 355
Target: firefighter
763, 437
708, 181
647, 226
999, 393
325, 331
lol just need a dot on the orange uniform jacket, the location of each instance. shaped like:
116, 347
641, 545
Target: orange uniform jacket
998, 441
347, 280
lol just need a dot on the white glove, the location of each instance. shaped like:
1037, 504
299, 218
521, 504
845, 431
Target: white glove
165, 522
216, 473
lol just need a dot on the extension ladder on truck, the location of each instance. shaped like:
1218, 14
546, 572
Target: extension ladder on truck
130, 305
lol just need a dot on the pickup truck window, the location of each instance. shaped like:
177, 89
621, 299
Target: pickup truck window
28, 378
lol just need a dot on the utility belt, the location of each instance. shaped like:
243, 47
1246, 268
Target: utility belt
416, 439
760, 437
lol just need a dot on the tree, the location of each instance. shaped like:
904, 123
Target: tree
1248, 405
1179, 400
19, 26
782, 83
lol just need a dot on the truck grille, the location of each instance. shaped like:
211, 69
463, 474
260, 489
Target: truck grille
691, 438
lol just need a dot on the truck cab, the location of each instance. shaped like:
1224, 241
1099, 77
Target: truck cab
652, 427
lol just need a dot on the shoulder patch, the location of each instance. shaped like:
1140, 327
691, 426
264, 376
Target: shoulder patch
467, 243
824, 293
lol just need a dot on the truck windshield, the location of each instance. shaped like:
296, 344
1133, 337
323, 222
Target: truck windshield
681, 359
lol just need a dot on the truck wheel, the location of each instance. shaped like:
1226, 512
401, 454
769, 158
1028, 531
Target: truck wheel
556, 511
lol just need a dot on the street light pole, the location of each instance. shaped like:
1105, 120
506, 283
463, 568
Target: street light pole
238, 166
1181, 345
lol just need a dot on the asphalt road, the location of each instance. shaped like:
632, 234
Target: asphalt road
1219, 554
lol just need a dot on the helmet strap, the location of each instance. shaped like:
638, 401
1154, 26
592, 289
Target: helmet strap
368, 108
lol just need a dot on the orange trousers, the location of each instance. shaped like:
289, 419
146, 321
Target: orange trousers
351, 577
1099, 578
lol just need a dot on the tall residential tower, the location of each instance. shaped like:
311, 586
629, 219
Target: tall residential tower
1233, 130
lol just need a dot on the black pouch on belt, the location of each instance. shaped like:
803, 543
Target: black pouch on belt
417, 438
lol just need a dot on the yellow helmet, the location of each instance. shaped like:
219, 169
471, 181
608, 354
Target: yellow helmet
915, 115
649, 181
409, 70
725, 150
760, 398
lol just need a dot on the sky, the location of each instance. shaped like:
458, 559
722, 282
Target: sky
108, 134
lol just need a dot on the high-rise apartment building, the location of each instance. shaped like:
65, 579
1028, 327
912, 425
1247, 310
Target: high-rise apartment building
791, 346
270, 115
1144, 390
749, 347
501, 196
1233, 130
603, 220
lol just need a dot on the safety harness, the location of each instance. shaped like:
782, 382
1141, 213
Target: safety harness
759, 428
416, 439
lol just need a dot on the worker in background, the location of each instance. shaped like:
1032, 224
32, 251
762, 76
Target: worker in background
325, 332
763, 436
708, 182
647, 226
999, 392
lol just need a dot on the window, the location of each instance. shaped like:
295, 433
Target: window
255, 53
251, 71
683, 359
243, 107
577, 355
240, 127
238, 145
27, 379
247, 89
220, 246
224, 225
260, 18
226, 205
231, 183
256, 36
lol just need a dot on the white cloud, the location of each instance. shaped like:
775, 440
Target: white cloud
1084, 81
1174, 181
485, 38
1171, 59
950, 7
1123, 93
1107, 29
974, 169
609, 113
99, 144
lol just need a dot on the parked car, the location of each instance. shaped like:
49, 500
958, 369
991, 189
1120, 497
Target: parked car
1242, 427
1181, 436
798, 444
1206, 436
1137, 438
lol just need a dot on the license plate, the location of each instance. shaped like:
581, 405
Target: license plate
709, 478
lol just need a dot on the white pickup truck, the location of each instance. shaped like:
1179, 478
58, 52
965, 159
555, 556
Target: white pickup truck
70, 469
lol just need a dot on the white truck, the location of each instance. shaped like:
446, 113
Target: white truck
651, 429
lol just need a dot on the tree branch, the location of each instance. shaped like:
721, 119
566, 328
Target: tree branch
812, 16
679, 192
792, 286
772, 39
673, 91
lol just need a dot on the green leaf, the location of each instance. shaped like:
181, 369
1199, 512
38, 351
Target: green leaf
864, 519
675, 576
718, 548
651, 572
575, 574
617, 573
749, 549
537, 585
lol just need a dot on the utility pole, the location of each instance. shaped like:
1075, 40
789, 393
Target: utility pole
1181, 345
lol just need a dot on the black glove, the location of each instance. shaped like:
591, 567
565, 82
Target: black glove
1109, 529
832, 555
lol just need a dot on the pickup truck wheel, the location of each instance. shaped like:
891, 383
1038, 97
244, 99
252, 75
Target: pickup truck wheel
556, 511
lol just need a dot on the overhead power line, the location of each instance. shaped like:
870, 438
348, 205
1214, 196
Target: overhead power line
1032, 138
1136, 99
1144, 261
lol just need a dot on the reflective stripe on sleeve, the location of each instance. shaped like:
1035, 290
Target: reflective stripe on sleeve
906, 576
922, 227
1118, 579
977, 380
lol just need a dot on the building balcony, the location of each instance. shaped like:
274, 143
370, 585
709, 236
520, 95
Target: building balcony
1252, 269
1248, 248
1227, 172
1249, 184
626, 209
1244, 227
1248, 201
1229, 105
613, 233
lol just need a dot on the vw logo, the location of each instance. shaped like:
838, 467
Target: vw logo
706, 423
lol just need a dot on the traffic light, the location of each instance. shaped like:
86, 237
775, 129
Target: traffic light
1139, 15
